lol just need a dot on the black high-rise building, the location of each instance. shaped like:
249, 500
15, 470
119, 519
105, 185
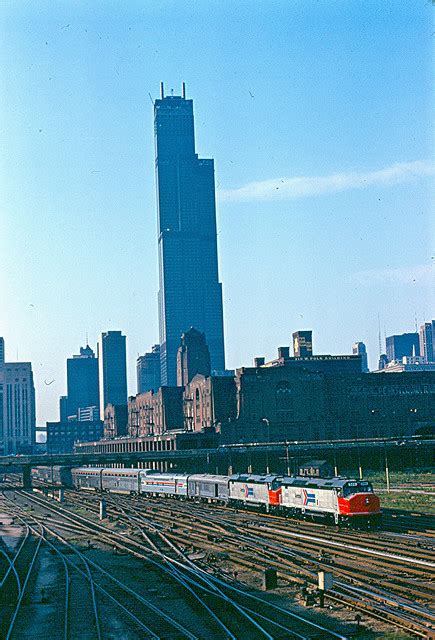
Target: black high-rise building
148, 370
190, 294
406, 344
193, 357
112, 365
82, 381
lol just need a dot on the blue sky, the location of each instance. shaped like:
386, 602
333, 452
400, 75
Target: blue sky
318, 116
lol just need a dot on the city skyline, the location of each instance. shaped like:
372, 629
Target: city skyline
339, 127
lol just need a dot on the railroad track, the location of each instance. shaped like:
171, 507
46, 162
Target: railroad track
233, 608
400, 611
360, 593
81, 611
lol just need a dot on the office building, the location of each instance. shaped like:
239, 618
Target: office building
383, 361
302, 344
426, 340
406, 344
359, 349
190, 294
17, 406
61, 436
193, 357
148, 370
112, 363
88, 414
82, 381
63, 408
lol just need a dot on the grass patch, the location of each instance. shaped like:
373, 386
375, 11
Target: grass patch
407, 486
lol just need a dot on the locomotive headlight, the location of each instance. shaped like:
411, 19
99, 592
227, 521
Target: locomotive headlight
367, 500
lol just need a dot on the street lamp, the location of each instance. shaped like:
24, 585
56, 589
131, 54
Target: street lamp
266, 421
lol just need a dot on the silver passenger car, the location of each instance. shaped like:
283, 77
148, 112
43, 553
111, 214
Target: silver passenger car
53, 475
211, 488
170, 484
120, 480
88, 478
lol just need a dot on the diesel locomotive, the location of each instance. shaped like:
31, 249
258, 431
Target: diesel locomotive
338, 500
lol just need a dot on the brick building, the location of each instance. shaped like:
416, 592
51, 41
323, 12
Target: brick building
193, 356
293, 403
209, 401
152, 413
115, 420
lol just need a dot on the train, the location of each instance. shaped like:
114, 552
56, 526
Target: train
339, 500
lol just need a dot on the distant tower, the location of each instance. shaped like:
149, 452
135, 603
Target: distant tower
359, 349
148, 370
193, 357
82, 381
17, 406
406, 344
383, 361
190, 294
112, 363
427, 340
303, 344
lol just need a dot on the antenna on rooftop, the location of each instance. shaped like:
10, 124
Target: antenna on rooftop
151, 98
87, 339
183, 90
162, 91
379, 336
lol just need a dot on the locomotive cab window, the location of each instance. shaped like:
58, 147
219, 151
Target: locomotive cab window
357, 487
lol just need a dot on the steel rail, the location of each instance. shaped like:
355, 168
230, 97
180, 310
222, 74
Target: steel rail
198, 572
13, 569
203, 577
381, 597
16, 555
90, 524
23, 589
333, 543
98, 567
45, 504
85, 574
66, 604
384, 598
120, 584
38, 501
177, 575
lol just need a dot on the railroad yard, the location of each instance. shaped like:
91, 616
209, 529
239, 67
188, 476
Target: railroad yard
171, 569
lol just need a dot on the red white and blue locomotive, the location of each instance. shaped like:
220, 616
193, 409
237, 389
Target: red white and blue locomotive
338, 500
